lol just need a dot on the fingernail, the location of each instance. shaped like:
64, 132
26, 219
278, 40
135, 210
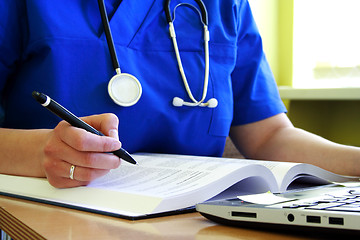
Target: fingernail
114, 134
116, 144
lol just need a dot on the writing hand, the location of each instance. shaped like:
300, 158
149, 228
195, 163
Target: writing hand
69, 146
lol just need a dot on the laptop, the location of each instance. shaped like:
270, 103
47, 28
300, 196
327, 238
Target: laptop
332, 209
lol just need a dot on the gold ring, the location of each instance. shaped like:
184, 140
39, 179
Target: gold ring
72, 169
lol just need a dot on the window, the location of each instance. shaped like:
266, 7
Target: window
326, 43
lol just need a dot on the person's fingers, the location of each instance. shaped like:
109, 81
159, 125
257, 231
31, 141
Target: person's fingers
87, 174
83, 140
91, 159
74, 157
62, 175
104, 123
114, 133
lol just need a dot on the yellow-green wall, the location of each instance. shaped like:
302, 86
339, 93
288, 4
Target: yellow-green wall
275, 21
338, 121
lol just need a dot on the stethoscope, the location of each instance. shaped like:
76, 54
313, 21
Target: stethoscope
125, 89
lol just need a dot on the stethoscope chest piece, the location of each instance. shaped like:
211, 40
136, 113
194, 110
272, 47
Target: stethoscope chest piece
124, 89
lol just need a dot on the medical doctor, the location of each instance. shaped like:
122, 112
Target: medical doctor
180, 87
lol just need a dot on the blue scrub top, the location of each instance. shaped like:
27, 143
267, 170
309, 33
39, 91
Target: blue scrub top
59, 48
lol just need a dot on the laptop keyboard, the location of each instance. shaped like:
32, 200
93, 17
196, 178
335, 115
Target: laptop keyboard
338, 201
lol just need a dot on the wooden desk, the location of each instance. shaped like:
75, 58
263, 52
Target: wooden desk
29, 220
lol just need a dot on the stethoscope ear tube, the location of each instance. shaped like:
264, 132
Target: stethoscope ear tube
177, 101
204, 15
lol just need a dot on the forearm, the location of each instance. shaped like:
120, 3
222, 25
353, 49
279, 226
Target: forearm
22, 151
295, 145
275, 138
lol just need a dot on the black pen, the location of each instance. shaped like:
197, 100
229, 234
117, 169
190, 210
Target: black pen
69, 117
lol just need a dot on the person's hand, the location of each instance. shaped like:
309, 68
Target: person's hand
69, 146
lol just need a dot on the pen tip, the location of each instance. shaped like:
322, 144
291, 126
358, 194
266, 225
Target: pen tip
130, 160
127, 157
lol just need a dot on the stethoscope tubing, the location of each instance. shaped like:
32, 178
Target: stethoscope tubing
204, 15
124, 89
121, 77
109, 38
204, 18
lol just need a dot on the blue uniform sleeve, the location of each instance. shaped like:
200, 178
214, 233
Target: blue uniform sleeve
12, 17
256, 95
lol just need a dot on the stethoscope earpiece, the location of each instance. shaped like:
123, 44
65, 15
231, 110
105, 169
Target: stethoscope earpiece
211, 103
178, 102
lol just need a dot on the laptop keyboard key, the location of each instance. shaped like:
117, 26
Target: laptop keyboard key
325, 206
